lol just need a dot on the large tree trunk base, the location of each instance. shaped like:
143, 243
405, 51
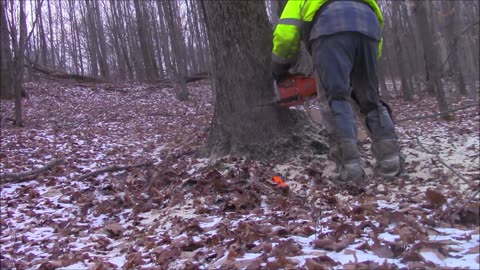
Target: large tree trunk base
294, 135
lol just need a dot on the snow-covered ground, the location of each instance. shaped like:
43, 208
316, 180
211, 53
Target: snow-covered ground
185, 212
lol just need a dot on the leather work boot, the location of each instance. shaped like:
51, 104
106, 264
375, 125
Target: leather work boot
390, 162
349, 162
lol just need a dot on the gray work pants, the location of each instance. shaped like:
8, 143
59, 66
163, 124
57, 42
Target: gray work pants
347, 67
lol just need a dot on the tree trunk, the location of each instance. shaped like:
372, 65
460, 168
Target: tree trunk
431, 56
6, 61
146, 52
178, 48
92, 38
43, 39
50, 27
454, 63
243, 124
102, 45
62, 37
20, 64
406, 85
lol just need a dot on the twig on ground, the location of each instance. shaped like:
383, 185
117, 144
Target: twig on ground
19, 177
467, 202
113, 168
442, 161
437, 114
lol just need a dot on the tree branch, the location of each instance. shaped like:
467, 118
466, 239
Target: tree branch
455, 44
113, 168
19, 177
465, 203
442, 162
437, 114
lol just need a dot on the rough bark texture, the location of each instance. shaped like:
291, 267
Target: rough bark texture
6, 61
407, 86
240, 38
425, 29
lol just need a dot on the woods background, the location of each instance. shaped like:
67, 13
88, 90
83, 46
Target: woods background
427, 43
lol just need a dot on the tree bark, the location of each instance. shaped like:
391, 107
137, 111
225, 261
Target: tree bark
454, 63
150, 67
50, 27
6, 61
243, 124
429, 48
406, 84
102, 45
19, 65
178, 49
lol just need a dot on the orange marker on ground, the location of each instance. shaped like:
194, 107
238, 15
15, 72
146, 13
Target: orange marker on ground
279, 181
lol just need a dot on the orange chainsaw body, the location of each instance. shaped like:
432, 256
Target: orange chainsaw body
295, 89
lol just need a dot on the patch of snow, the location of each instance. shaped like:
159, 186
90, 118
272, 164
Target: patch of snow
388, 236
214, 222
118, 260
387, 205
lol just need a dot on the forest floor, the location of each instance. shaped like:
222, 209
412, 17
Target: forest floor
183, 212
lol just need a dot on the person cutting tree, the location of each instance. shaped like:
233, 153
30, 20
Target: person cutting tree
344, 37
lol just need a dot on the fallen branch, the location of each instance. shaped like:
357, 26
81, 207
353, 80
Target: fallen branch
467, 202
19, 177
443, 162
114, 168
56, 74
437, 114
187, 78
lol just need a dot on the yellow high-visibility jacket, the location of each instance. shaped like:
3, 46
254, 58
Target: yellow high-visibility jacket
287, 35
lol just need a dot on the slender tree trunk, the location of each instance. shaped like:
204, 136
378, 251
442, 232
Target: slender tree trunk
178, 48
6, 61
454, 63
20, 64
406, 86
92, 38
63, 50
52, 35
43, 39
431, 56
102, 46
145, 49
166, 38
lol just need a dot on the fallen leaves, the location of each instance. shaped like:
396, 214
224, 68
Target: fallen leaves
334, 245
114, 230
435, 198
229, 214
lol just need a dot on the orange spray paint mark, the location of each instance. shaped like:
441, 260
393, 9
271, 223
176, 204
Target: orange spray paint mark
279, 181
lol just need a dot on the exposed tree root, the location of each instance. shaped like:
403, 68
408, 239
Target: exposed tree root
301, 136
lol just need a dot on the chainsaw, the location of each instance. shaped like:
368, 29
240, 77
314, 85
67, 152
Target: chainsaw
294, 90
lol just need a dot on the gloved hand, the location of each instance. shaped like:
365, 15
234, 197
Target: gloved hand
279, 71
